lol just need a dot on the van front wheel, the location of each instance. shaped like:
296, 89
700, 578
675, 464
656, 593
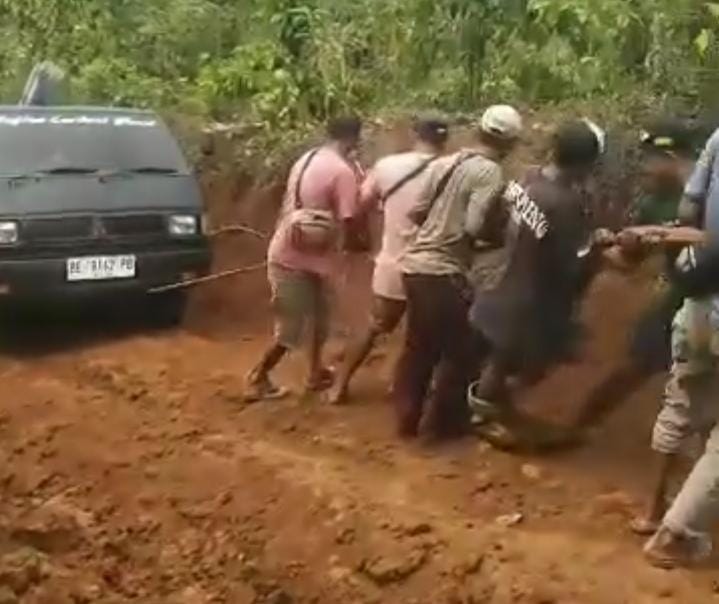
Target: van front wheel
168, 310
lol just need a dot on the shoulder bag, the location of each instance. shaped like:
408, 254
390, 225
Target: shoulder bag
312, 231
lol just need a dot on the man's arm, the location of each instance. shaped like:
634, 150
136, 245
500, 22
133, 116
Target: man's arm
347, 197
691, 207
690, 211
353, 218
484, 196
370, 192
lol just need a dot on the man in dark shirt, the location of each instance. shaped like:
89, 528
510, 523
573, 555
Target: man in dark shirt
526, 315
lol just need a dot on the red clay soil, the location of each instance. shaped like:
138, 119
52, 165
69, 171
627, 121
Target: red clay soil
133, 472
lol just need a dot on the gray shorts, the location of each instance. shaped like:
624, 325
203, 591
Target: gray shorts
298, 298
690, 405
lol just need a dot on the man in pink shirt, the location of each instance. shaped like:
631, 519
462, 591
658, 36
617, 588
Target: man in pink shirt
394, 185
318, 215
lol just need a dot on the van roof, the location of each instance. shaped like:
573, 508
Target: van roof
73, 109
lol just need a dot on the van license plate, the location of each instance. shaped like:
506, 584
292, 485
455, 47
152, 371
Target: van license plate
101, 268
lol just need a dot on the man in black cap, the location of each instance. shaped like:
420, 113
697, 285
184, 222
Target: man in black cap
668, 157
668, 149
393, 185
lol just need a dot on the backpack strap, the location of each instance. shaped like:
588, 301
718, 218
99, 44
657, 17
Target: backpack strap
407, 178
421, 217
447, 176
298, 184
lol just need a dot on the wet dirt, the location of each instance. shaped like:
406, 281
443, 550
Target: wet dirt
132, 471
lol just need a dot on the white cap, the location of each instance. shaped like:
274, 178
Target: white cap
502, 121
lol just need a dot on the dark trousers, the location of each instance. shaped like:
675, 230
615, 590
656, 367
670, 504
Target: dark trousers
438, 343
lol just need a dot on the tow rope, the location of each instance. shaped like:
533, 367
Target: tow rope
223, 230
213, 277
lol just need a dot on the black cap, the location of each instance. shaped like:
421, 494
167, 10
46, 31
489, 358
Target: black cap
433, 130
668, 135
576, 144
345, 127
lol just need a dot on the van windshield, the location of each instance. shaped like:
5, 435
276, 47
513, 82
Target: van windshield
61, 143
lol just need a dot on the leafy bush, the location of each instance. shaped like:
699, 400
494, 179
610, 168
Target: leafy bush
284, 64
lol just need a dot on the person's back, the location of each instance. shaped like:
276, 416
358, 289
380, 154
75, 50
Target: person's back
703, 186
328, 183
543, 236
702, 194
399, 229
526, 315
319, 211
454, 211
394, 185
442, 245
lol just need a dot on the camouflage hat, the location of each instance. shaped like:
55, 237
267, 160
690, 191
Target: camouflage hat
669, 136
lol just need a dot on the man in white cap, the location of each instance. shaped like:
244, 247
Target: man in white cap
525, 311
456, 211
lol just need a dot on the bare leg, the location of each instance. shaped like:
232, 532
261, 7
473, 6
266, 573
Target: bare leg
259, 386
659, 501
650, 521
270, 359
315, 353
386, 315
357, 353
610, 394
319, 377
675, 421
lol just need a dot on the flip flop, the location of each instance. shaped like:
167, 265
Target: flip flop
643, 527
324, 381
498, 435
264, 391
513, 434
338, 399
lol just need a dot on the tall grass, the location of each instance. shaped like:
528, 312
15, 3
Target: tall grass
285, 63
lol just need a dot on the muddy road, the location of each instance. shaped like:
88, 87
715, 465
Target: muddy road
132, 471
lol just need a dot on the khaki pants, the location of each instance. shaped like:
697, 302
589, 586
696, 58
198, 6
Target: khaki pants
695, 510
298, 298
690, 405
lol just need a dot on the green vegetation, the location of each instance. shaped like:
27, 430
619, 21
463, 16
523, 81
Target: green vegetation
284, 64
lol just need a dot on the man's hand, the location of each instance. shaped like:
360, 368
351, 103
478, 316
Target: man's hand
666, 236
355, 234
617, 258
632, 246
602, 238
690, 212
